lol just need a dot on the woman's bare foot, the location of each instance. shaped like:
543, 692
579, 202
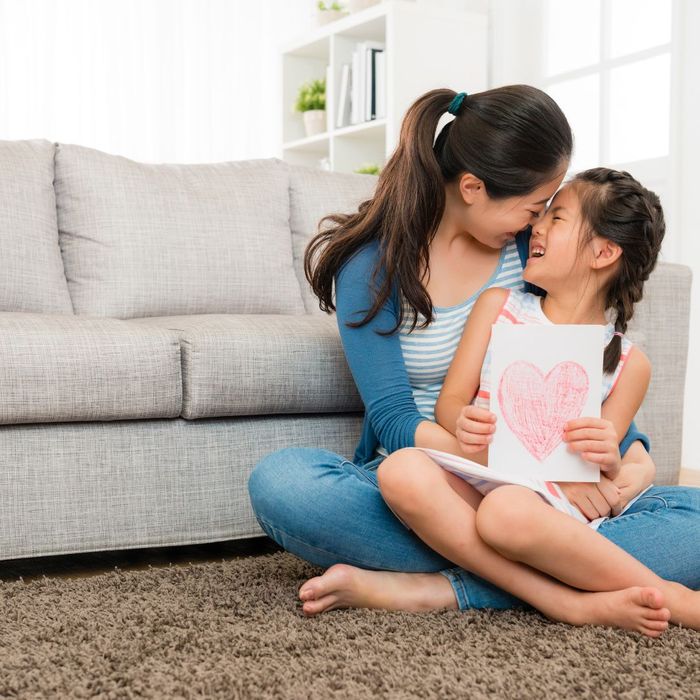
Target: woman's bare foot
637, 609
344, 586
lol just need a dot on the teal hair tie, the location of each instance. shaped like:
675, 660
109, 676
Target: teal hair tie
456, 103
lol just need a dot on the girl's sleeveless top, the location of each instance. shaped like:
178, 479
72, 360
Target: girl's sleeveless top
428, 352
522, 307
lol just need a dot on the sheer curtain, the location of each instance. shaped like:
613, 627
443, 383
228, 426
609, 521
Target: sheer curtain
153, 80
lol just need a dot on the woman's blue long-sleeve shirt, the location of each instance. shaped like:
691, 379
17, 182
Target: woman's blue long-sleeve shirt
376, 361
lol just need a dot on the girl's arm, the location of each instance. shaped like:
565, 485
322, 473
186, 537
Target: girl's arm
623, 403
597, 440
463, 376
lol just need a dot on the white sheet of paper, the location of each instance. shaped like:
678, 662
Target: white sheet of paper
542, 376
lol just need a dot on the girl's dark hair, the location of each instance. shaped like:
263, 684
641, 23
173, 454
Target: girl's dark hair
514, 138
616, 206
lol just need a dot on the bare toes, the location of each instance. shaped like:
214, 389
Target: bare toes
315, 607
660, 615
656, 625
652, 598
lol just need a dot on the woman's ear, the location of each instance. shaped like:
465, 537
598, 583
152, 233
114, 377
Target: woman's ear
605, 253
471, 188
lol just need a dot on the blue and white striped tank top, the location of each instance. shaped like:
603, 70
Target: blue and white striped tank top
428, 352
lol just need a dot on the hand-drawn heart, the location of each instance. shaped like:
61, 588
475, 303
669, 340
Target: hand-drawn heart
536, 407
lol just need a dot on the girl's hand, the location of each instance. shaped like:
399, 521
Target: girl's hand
596, 440
475, 427
594, 500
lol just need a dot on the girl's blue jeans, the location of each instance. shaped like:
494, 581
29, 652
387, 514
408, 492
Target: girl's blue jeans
327, 510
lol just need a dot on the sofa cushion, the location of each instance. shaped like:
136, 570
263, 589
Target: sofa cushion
31, 269
68, 368
314, 194
150, 240
250, 365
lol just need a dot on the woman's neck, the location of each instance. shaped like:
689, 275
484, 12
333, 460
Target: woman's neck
573, 306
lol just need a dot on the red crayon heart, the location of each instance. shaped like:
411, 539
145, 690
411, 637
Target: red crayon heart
536, 407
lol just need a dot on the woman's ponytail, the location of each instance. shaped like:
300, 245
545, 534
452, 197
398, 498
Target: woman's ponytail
403, 217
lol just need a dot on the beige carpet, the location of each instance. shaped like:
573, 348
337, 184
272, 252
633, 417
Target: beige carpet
232, 629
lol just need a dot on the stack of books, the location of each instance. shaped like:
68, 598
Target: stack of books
362, 91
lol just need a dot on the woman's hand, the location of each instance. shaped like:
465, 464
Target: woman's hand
475, 428
594, 500
633, 479
596, 440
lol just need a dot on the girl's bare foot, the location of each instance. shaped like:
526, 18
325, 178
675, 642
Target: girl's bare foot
344, 586
637, 609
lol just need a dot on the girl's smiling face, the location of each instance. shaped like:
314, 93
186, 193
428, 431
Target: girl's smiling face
555, 252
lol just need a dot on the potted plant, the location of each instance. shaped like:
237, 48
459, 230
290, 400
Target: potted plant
329, 11
357, 5
311, 102
368, 169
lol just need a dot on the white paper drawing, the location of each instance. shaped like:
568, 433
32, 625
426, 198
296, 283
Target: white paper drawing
541, 377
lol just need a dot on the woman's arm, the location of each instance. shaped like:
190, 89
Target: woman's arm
637, 472
463, 376
377, 363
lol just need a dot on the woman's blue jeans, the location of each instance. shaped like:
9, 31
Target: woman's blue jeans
325, 509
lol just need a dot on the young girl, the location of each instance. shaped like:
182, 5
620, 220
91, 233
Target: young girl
592, 252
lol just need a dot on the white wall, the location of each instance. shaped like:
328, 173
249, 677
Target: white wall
154, 80
686, 186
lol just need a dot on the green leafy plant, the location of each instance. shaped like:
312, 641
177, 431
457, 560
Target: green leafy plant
369, 169
312, 95
329, 6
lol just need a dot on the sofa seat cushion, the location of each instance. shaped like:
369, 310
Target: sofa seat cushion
140, 239
70, 368
234, 365
31, 269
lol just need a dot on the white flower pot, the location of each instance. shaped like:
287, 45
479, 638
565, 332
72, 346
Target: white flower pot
326, 16
357, 5
315, 121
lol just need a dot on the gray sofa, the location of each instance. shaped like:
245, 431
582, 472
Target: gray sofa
158, 337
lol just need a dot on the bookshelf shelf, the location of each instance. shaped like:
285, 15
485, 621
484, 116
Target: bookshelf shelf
425, 47
360, 130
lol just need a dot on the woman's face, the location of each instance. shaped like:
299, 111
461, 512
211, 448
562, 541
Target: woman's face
496, 222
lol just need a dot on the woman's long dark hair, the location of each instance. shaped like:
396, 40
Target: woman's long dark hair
513, 138
616, 206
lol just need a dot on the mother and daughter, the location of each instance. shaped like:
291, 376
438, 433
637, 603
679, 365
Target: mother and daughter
455, 239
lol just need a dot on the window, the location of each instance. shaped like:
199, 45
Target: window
608, 65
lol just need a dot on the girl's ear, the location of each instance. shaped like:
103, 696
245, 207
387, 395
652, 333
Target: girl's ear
605, 253
471, 188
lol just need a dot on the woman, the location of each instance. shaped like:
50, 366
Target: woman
441, 227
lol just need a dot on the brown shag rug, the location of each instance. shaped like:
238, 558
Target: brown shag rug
233, 629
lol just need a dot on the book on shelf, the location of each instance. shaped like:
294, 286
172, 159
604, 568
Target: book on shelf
343, 117
380, 86
364, 80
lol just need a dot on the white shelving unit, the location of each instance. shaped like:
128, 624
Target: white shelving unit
426, 48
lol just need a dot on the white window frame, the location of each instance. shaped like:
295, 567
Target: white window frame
654, 172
